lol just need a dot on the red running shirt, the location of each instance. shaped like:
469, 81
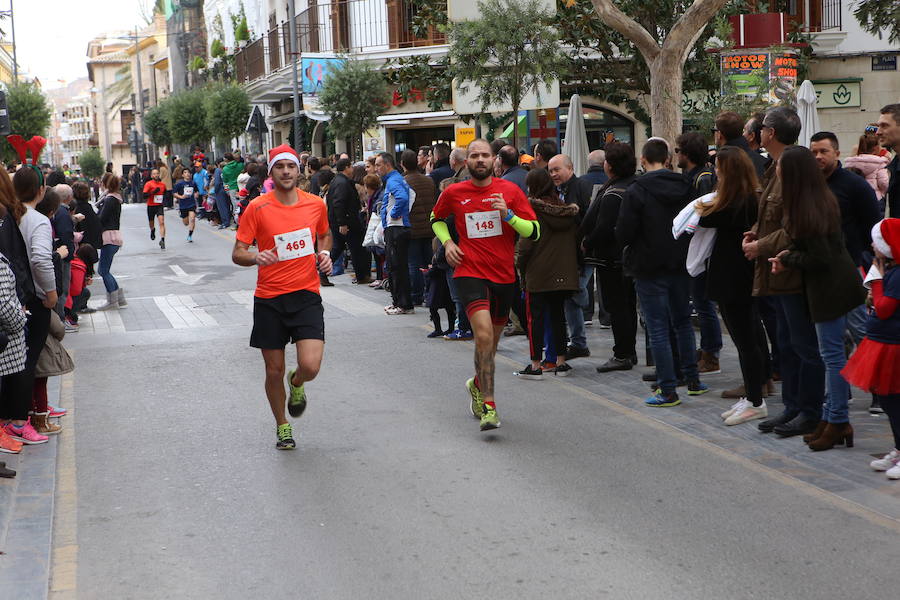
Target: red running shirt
487, 242
156, 189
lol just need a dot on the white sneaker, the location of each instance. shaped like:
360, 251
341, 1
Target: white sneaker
734, 407
894, 472
887, 461
748, 413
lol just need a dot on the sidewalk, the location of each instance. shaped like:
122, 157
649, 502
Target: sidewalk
26, 515
840, 471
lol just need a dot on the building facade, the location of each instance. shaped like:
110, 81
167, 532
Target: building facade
111, 95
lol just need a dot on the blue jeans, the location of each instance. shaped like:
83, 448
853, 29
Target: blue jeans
106, 257
710, 329
419, 258
664, 300
462, 319
802, 371
223, 206
575, 306
831, 347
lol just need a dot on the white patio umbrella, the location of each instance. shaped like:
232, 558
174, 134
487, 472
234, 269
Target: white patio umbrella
806, 109
575, 144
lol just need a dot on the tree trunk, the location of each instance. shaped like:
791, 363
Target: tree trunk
665, 96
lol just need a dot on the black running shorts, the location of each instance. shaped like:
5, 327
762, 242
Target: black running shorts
153, 211
480, 294
186, 212
287, 318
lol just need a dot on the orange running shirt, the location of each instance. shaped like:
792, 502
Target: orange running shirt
156, 189
488, 244
296, 228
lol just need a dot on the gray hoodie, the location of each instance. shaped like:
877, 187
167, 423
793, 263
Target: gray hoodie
38, 236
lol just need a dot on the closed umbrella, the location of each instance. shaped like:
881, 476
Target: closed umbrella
806, 110
575, 144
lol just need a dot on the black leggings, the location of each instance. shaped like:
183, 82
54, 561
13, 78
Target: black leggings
891, 406
743, 322
540, 306
19, 387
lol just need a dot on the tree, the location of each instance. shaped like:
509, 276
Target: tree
29, 115
665, 59
227, 109
156, 125
186, 117
511, 51
92, 163
353, 95
875, 16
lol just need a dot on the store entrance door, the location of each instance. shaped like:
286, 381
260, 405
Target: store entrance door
413, 139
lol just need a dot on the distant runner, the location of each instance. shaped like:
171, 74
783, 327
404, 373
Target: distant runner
287, 225
488, 213
154, 192
187, 203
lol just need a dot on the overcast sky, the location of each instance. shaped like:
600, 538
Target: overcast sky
52, 35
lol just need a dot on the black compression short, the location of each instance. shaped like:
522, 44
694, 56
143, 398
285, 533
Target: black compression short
481, 294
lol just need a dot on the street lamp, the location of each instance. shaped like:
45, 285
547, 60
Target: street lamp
12, 21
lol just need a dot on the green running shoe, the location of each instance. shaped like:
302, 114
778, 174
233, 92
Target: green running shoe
490, 419
297, 401
285, 437
477, 406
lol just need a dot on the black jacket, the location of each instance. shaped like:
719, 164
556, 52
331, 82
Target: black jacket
599, 224
644, 226
577, 191
702, 178
110, 213
831, 283
90, 226
730, 274
12, 245
892, 199
517, 175
440, 172
343, 202
760, 162
859, 212
64, 230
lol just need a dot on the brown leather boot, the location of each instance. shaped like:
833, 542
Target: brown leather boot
811, 437
834, 434
41, 423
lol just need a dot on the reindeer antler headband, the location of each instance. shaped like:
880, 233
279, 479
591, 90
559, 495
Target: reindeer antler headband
35, 145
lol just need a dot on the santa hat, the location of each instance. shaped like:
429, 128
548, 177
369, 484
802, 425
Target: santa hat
283, 152
886, 237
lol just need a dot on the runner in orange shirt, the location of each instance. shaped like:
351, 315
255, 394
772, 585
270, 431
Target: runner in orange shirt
287, 225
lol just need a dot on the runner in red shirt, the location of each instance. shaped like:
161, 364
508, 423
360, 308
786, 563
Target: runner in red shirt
488, 212
154, 190
287, 225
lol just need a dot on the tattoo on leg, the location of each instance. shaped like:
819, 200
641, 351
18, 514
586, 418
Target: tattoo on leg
484, 368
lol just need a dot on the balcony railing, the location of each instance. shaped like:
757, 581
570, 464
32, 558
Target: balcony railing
336, 26
824, 15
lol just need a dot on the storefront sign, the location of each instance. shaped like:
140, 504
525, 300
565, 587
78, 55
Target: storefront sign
884, 62
373, 142
464, 135
750, 73
837, 94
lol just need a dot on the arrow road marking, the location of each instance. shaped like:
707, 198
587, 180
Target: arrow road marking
182, 277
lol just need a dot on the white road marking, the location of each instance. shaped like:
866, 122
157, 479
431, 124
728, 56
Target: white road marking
351, 303
183, 313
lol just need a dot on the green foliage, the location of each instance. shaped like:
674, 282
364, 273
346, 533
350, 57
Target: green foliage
876, 16
92, 163
607, 65
186, 116
513, 50
29, 115
419, 74
239, 26
427, 14
197, 63
354, 95
227, 110
217, 49
156, 125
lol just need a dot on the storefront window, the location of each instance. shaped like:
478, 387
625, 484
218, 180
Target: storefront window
603, 126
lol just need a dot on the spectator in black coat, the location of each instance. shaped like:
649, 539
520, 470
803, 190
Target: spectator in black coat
730, 132
89, 225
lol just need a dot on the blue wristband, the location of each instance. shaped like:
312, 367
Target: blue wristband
509, 215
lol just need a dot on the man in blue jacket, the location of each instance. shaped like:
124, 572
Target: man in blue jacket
395, 205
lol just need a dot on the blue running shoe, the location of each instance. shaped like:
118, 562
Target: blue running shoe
660, 400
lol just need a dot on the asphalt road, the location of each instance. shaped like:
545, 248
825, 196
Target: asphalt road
393, 492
